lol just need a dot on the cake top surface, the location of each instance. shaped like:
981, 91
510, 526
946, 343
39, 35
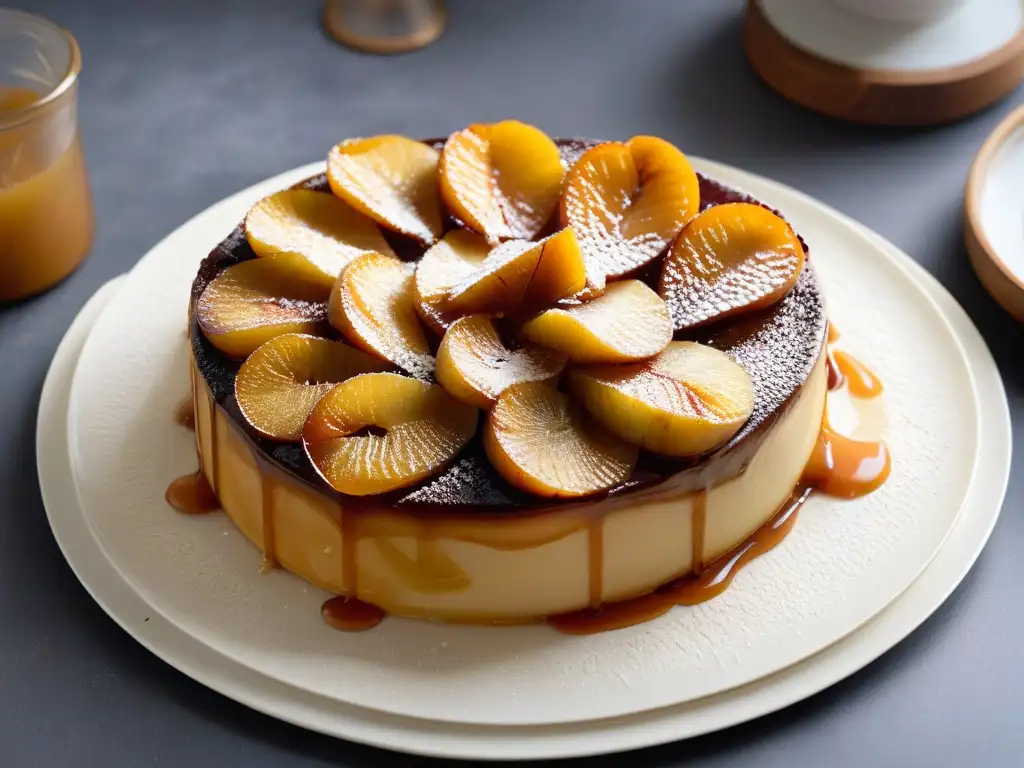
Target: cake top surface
769, 328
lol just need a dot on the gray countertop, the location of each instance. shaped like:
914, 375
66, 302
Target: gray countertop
185, 102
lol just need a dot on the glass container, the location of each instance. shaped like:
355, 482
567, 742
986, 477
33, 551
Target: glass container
46, 214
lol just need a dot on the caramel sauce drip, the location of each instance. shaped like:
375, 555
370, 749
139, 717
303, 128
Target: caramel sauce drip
835, 375
844, 368
350, 615
350, 552
185, 413
595, 557
689, 590
841, 466
269, 533
214, 458
698, 524
836, 379
860, 380
195, 409
846, 468
191, 494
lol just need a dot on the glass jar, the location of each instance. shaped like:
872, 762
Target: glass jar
46, 216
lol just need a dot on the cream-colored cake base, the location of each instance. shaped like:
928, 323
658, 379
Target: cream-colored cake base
513, 568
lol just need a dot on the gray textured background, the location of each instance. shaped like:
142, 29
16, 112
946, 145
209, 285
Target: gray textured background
186, 103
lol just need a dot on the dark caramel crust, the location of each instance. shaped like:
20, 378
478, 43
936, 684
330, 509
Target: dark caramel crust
778, 347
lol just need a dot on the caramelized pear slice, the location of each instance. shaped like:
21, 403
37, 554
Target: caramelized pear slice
627, 202
688, 400
732, 258
321, 228
393, 180
503, 180
455, 257
381, 431
280, 383
629, 322
373, 305
520, 275
253, 301
540, 442
475, 365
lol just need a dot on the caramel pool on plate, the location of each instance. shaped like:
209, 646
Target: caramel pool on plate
46, 217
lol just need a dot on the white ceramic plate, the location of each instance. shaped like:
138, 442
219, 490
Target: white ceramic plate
844, 563
226, 675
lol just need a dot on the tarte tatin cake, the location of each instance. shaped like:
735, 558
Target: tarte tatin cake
502, 378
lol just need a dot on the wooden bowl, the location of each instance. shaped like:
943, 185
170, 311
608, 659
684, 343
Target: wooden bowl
994, 214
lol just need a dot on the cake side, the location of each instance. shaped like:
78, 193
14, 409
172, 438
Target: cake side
505, 568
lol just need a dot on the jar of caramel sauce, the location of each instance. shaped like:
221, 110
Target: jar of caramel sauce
46, 215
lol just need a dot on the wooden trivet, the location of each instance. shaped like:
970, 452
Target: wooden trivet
879, 96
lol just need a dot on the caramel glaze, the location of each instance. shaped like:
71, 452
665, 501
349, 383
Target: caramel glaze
844, 368
214, 448
860, 380
268, 518
595, 563
185, 413
350, 615
847, 468
689, 590
838, 467
836, 379
191, 494
698, 523
835, 376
